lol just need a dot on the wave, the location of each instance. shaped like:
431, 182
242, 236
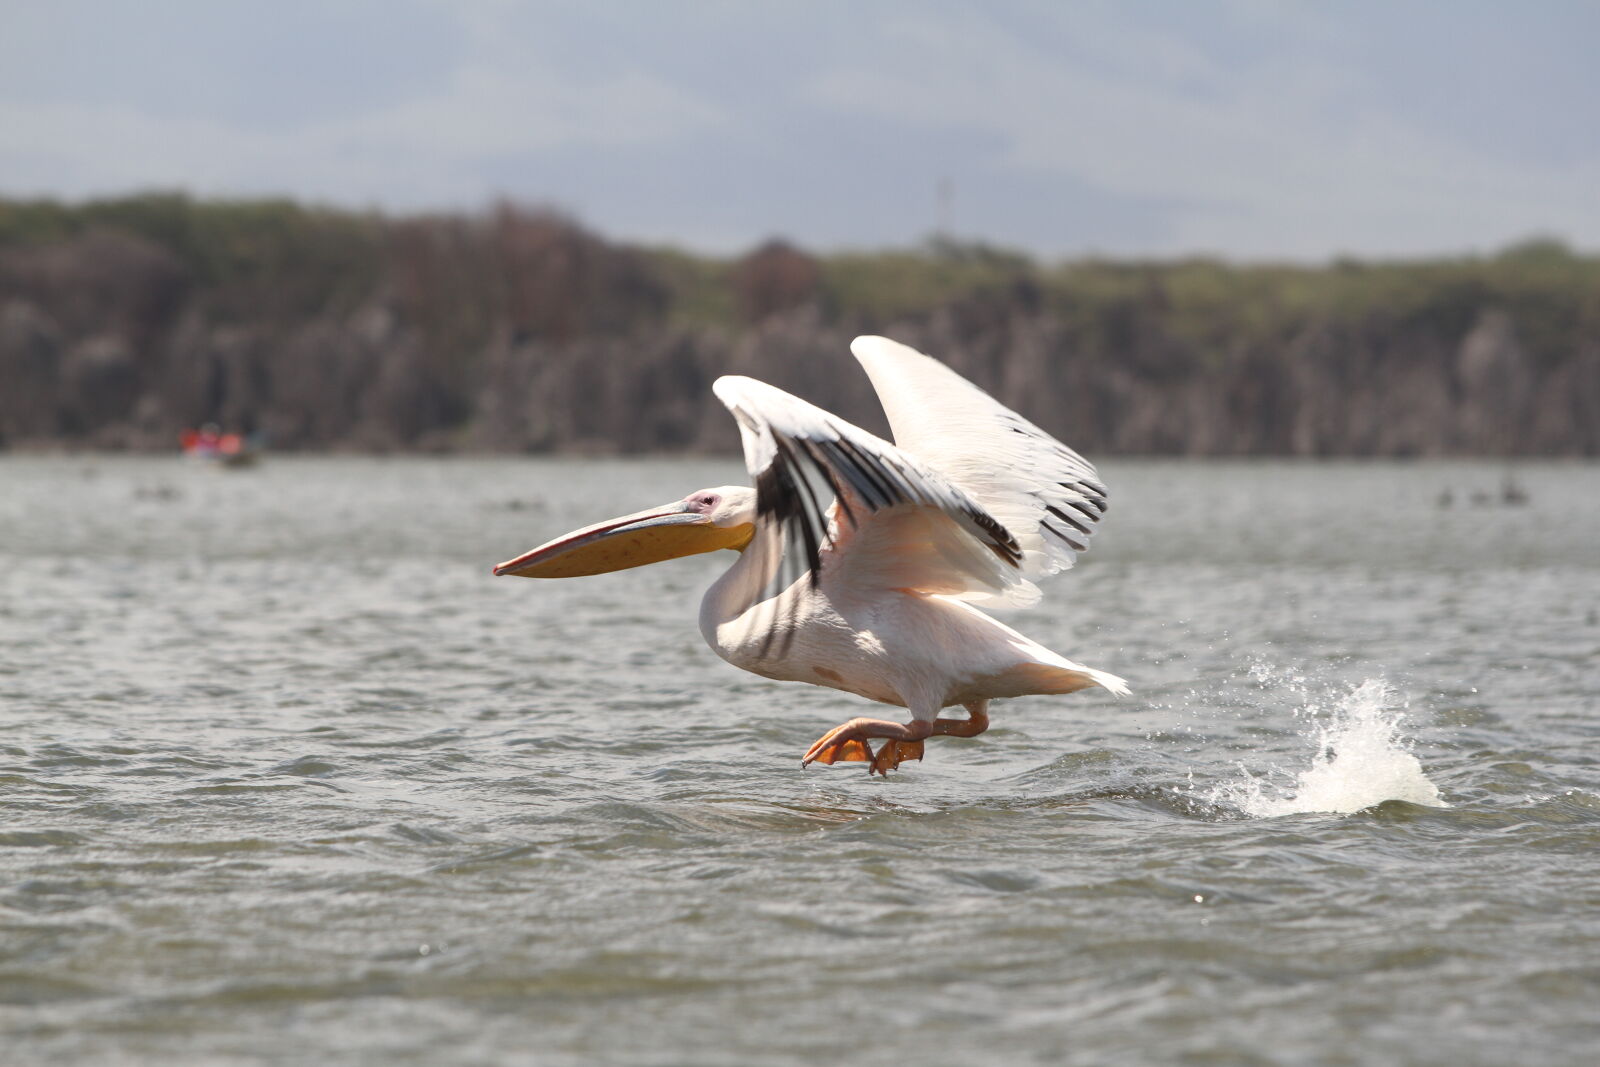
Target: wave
1360, 758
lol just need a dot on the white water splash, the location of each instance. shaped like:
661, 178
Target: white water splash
1361, 760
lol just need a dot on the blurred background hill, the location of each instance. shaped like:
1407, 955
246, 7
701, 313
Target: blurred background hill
521, 330
1240, 228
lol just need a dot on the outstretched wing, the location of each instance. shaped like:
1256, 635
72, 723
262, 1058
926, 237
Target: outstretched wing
851, 507
1044, 493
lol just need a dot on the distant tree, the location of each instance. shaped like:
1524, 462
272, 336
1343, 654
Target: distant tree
516, 328
774, 277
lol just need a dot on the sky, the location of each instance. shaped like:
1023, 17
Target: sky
1251, 129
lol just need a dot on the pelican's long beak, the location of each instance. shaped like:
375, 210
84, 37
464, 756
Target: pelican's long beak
630, 541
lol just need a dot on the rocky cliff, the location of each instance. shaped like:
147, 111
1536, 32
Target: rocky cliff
125, 321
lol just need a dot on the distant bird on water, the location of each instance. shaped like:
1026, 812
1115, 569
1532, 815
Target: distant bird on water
860, 560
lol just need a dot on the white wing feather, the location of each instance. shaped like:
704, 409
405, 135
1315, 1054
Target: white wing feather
1047, 495
897, 523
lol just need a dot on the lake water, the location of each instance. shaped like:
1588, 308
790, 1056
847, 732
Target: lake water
287, 776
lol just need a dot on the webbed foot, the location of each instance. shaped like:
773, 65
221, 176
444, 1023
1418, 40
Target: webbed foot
848, 741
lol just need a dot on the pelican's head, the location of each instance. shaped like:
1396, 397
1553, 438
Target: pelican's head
700, 522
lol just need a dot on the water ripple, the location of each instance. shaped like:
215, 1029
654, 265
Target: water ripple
306, 794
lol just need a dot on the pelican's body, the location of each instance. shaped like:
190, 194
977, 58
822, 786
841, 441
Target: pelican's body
895, 646
860, 559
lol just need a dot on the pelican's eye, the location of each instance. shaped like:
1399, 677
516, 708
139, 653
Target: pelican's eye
704, 502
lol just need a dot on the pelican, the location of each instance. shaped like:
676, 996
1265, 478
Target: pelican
861, 562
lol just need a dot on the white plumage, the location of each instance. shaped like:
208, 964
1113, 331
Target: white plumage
860, 559
1047, 495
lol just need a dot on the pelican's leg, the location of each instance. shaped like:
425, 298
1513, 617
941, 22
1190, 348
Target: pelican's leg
848, 741
976, 722
892, 752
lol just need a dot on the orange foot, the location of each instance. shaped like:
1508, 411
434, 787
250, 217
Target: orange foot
848, 741
847, 751
890, 755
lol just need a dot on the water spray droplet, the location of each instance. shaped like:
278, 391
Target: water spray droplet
1361, 760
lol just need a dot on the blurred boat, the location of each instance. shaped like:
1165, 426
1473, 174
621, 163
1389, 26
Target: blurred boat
228, 450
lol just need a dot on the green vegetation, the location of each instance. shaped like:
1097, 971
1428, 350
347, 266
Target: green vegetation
409, 325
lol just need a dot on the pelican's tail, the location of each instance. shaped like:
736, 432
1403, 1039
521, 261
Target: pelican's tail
1107, 680
1069, 677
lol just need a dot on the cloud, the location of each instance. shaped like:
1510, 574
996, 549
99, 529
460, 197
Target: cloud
1288, 155
1245, 127
422, 150
494, 111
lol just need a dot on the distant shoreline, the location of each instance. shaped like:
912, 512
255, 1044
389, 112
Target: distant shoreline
511, 331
